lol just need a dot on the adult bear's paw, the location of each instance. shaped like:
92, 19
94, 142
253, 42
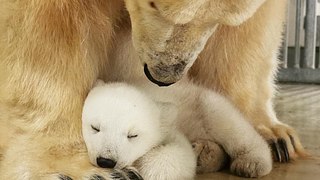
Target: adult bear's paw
283, 141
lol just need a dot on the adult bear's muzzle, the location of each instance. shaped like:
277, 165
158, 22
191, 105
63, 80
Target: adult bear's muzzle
149, 76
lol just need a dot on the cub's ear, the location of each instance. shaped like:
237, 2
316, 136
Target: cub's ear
98, 83
169, 113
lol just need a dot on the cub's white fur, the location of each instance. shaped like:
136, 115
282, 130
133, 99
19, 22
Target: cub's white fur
202, 115
119, 110
133, 127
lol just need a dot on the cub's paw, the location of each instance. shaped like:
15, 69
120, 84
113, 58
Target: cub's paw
55, 177
126, 174
210, 156
94, 176
246, 166
123, 174
283, 141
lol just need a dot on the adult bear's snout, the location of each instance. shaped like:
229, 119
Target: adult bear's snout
149, 76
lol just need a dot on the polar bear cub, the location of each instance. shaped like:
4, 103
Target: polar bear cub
123, 127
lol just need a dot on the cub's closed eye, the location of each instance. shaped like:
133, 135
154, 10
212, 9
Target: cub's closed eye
132, 136
95, 129
153, 5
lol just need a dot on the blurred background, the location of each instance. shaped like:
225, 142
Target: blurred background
300, 53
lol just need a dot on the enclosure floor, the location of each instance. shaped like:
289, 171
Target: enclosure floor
298, 106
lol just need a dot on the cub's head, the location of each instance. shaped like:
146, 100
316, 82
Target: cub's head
169, 35
120, 124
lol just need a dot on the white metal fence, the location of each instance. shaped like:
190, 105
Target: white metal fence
300, 53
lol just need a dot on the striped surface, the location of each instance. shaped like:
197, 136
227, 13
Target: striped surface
299, 106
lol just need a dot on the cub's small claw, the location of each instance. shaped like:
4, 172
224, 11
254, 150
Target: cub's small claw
64, 177
133, 175
117, 175
97, 177
126, 174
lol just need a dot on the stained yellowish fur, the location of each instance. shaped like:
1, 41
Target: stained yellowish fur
241, 63
51, 53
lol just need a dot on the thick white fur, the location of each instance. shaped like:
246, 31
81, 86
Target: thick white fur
119, 110
202, 114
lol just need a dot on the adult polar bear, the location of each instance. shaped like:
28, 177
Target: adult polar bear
240, 58
51, 53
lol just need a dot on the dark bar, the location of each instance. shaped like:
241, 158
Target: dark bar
297, 34
310, 34
285, 41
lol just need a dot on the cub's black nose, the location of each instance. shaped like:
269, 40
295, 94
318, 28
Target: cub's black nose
106, 163
149, 76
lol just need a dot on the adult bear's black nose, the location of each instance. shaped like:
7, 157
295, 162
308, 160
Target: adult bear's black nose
106, 163
149, 76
